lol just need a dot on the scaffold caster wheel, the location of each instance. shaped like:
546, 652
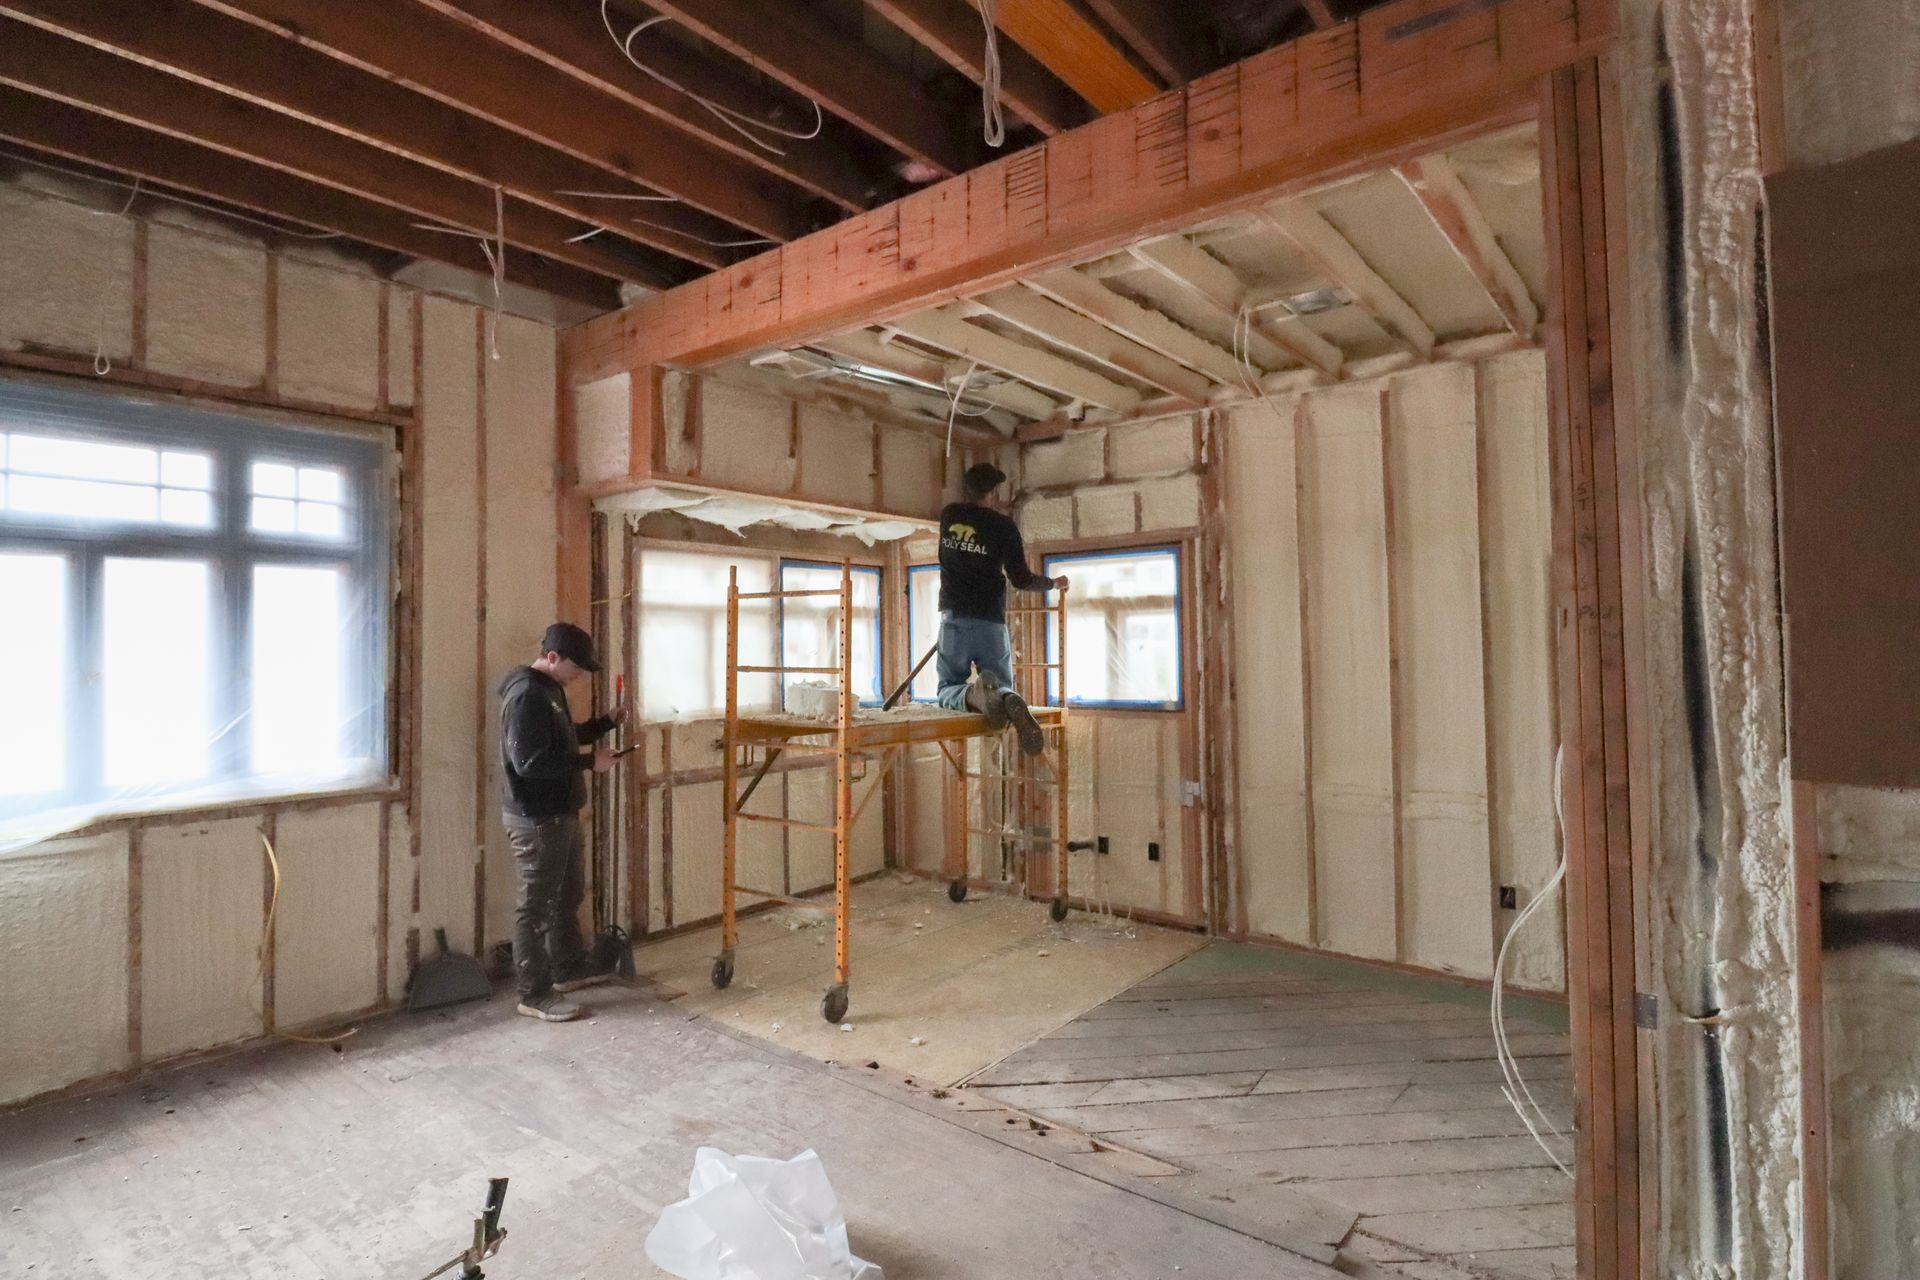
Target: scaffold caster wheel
1059, 910
722, 971
957, 891
833, 1005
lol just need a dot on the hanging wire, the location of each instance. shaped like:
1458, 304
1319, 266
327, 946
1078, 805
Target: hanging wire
738, 121
102, 363
953, 402
715, 244
992, 113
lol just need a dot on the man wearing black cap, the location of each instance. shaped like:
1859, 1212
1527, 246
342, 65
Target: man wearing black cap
980, 553
540, 746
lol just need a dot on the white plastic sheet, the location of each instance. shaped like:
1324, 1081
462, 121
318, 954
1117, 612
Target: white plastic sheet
752, 1218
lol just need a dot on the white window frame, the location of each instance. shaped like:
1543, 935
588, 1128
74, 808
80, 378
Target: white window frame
232, 551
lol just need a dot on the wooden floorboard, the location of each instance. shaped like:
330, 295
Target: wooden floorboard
1378, 1093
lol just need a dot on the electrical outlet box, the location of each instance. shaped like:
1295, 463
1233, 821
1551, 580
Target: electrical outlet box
1509, 898
1102, 845
1153, 851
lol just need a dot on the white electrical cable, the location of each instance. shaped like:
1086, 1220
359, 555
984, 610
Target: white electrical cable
993, 115
497, 260
102, 362
738, 121
953, 402
716, 244
1515, 1088
170, 198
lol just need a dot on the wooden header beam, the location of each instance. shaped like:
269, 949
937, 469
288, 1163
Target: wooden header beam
1413, 69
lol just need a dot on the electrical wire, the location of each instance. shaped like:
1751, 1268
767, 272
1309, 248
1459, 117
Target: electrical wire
102, 363
953, 402
171, 198
738, 121
265, 949
993, 117
1515, 1087
714, 244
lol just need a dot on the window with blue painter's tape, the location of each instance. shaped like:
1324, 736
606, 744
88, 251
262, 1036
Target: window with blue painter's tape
810, 625
1123, 647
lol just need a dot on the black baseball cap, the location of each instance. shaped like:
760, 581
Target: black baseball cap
571, 643
983, 478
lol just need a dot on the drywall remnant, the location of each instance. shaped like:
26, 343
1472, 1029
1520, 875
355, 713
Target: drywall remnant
206, 308
65, 953
603, 429
329, 336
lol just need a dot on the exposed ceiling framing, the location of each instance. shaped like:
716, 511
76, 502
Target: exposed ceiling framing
606, 143
1440, 256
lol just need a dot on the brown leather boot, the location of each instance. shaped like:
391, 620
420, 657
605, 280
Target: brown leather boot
985, 697
1014, 710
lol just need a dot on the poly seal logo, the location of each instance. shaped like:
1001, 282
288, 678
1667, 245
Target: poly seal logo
963, 537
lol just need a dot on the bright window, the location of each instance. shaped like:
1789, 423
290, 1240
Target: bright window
683, 633
169, 646
810, 625
923, 627
1123, 628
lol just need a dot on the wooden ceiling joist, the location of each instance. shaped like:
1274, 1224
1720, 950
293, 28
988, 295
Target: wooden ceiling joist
1072, 288
572, 39
867, 347
844, 77
242, 59
946, 330
1319, 12
480, 76
952, 29
1062, 37
1459, 219
57, 129
1218, 288
1320, 243
1168, 37
1092, 341
77, 74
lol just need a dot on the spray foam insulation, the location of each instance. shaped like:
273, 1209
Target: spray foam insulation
401, 393
1108, 510
1375, 215
202, 911
1045, 519
1435, 562
65, 953
1516, 548
836, 457
451, 691
1158, 448
329, 336
1345, 569
603, 429
66, 273
521, 534
1850, 87
912, 472
747, 438
1264, 564
329, 913
206, 308
1171, 503
1078, 457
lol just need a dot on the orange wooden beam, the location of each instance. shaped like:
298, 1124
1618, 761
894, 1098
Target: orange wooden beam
1413, 70
1067, 43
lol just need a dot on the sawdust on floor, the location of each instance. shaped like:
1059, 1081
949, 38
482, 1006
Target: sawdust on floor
972, 982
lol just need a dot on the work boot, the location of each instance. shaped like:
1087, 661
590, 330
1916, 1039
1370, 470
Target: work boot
985, 697
1014, 710
551, 1007
575, 977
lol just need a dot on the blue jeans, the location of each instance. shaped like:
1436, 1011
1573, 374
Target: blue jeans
965, 642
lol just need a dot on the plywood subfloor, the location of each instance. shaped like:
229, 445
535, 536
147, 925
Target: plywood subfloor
297, 1161
1282, 1081
974, 981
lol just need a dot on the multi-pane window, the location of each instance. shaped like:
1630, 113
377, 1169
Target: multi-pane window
810, 625
1123, 628
923, 627
173, 642
682, 618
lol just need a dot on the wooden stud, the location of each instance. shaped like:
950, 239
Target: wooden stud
1816, 1260
1049, 321
383, 394
270, 328
269, 930
1168, 40
137, 353
666, 826
1320, 13
1395, 692
946, 330
1489, 719
1075, 289
1302, 433
136, 943
412, 471
637, 838
483, 750
1769, 94
869, 348
382, 910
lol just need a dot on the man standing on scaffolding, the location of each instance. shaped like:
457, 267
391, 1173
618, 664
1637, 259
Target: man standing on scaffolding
980, 553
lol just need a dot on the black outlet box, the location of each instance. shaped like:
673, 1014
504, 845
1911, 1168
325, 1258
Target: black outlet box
1509, 898
1102, 844
1153, 851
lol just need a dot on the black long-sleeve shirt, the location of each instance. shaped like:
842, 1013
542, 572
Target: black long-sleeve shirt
540, 746
980, 553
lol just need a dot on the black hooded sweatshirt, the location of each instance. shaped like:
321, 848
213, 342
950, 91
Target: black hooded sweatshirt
980, 553
540, 746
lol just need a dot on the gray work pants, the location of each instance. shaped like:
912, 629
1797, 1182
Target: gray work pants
548, 854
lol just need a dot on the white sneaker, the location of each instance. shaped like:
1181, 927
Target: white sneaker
549, 1008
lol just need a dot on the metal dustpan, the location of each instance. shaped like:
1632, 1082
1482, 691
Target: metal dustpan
447, 978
